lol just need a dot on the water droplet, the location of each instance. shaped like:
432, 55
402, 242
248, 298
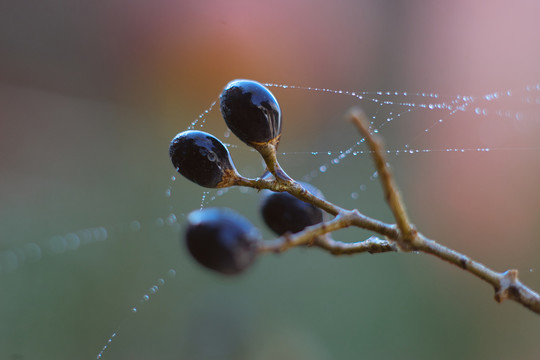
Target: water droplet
323, 168
134, 309
58, 244
171, 219
354, 195
172, 273
135, 226
168, 192
73, 241
32, 251
8, 261
146, 297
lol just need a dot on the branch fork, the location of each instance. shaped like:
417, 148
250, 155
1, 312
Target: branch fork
401, 236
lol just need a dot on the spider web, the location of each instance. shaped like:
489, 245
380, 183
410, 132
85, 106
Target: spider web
414, 125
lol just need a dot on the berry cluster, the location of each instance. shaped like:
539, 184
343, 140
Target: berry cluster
221, 239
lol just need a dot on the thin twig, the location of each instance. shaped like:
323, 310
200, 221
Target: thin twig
391, 193
343, 220
314, 234
506, 284
372, 245
292, 188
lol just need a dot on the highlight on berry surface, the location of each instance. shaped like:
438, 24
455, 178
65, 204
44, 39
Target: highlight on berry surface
221, 240
283, 212
203, 159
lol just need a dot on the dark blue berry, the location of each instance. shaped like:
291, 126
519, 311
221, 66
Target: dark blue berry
203, 159
283, 212
251, 112
222, 240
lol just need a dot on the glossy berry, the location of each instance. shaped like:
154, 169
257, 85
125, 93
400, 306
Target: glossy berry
203, 159
283, 212
222, 240
251, 112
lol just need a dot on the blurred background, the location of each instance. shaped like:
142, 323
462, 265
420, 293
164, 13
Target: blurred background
92, 92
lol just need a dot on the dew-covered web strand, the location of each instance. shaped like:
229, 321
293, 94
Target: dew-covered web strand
404, 103
383, 99
202, 117
415, 101
32, 252
135, 308
170, 220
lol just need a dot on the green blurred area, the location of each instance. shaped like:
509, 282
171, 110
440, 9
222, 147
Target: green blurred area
84, 146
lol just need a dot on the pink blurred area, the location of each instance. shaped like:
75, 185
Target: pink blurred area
161, 50
477, 48
172, 57
119, 47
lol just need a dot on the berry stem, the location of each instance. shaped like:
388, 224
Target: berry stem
293, 188
391, 193
269, 153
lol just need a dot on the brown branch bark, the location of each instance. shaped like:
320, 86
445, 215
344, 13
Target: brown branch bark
391, 192
402, 236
